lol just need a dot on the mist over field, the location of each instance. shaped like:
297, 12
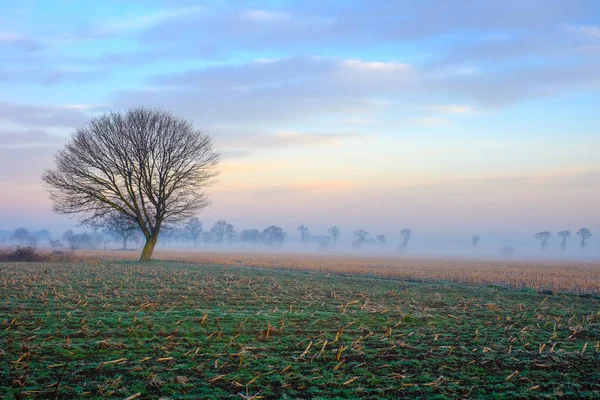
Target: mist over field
421, 245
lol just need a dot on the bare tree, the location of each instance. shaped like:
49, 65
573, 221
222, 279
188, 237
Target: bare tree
43, 235
146, 164
220, 231
507, 251
584, 234
251, 237
208, 238
475, 240
543, 238
194, 229
334, 232
67, 235
325, 243
273, 236
21, 236
120, 227
232, 237
564, 235
167, 233
83, 240
361, 236
56, 244
406, 235
99, 239
303, 229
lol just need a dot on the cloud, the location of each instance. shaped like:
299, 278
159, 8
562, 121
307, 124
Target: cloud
182, 30
267, 16
359, 121
435, 121
27, 139
456, 109
229, 154
323, 185
362, 21
292, 89
25, 164
290, 139
155, 53
31, 115
590, 31
293, 187
20, 42
45, 75
251, 75
238, 28
360, 65
558, 179
305, 88
114, 27
83, 106
508, 86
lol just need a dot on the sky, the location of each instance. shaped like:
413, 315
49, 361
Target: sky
464, 116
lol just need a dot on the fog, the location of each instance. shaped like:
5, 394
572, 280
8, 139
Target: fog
447, 244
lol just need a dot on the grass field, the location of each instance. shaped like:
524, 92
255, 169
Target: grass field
172, 330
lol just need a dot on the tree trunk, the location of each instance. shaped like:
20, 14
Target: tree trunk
149, 248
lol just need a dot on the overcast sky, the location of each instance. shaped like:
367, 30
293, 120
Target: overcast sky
465, 115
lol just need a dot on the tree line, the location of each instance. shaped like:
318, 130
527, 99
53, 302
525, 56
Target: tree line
222, 233
584, 234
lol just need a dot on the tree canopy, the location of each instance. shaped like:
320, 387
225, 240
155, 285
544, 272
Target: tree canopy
144, 163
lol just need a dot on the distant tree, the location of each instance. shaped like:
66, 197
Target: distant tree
167, 233
232, 237
543, 238
81, 241
194, 229
584, 234
43, 235
67, 235
21, 236
303, 229
361, 235
475, 240
406, 234
273, 236
119, 226
564, 235
220, 231
180, 234
507, 251
144, 163
208, 238
251, 237
381, 239
99, 239
334, 232
325, 243
56, 244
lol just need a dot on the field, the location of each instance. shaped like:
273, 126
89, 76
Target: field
556, 276
178, 330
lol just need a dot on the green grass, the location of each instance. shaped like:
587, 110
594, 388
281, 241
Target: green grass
222, 331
